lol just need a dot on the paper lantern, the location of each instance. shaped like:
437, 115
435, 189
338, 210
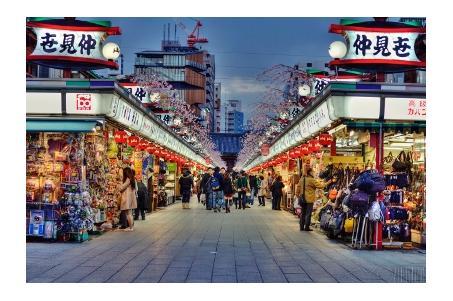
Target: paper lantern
151, 149
304, 149
292, 153
297, 152
314, 145
142, 145
120, 137
133, 141
325, 139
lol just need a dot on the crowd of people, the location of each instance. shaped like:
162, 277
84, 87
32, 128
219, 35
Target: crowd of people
218, 189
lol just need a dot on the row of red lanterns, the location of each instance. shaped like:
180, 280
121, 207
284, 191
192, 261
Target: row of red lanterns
122, 137
312, 146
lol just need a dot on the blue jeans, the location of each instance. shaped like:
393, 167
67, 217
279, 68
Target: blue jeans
252, 196
217, 199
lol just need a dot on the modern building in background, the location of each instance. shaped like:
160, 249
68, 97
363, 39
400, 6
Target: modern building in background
234, 117
217, 107
189, 70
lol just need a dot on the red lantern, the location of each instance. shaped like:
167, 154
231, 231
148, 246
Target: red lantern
292, 153
325, 139
133, 141
304, 149
297, 152
120, 137
314, 145
151, 149
142, 145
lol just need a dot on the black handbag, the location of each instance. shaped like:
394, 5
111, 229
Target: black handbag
400, 163
302, 199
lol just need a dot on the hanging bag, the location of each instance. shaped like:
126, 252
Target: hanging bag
375, 213
400, 165
302, 199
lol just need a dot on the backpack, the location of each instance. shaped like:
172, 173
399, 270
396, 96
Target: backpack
215, 185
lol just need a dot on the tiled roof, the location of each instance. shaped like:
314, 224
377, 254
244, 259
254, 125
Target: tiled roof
227, 143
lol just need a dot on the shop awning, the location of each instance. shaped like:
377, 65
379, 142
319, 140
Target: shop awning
60, 125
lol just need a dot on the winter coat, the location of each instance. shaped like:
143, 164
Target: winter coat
228, 186
253, 182
263, 188
143, 196
186, 182
311, 184
204, 183
128, 196
242, 184
277, 188
219, 178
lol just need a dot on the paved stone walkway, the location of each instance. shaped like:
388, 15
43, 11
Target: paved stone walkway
196, 245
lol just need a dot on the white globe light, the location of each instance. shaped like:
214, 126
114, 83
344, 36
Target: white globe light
337, 50
304, 90
111, 51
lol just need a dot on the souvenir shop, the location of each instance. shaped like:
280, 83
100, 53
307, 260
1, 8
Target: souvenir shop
344, 133
75, 160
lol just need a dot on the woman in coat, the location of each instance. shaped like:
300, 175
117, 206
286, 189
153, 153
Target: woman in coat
128, 196
142, 200
228, 191
262, 191
277, 192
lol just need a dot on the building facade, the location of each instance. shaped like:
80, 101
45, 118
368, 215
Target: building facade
190, 71
234, 118
217, 107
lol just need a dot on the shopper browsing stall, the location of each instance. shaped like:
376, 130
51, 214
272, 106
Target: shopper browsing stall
307, 195
128, 197
186, 184
142, 200
277, 192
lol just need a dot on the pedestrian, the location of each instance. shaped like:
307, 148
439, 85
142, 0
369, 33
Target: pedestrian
186, 184
128, 196
307, 196
243, 187
228, 191
142, 200
253, 188
196, 182
217, 190
277, 192
262, 191
206, 188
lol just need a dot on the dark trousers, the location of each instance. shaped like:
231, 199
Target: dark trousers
198, 196
242, 199
208, 201
261, 200
123, 219
138, 212
305, 216
276, 202
186, 196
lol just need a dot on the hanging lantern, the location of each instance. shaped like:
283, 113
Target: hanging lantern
133, 141
158, 152
314, 146
304, 149
150, 149
297, 152
120, 137
325, 139
142, 145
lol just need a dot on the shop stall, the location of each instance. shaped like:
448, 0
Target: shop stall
80, 136
352, 127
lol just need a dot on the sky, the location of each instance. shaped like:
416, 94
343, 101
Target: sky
243, 47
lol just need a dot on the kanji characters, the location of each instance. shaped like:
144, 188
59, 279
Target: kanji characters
48, 43
362, 44
68, 44
382, 43
87, 43
140, 93
320, 85
401, 47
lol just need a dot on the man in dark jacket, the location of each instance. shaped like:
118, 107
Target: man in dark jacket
142, 200
217, 190
205, 187
186, 184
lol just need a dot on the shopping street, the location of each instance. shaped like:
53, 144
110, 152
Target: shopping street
197, 245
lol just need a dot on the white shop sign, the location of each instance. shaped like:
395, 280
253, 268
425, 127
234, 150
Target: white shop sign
125, 114
88, 103
43, 103
381, 45
69, 43
405, 109
354, 107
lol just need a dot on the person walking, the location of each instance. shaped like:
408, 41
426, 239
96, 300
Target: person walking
228, 191
142, 200
128, 196
307, 195
217, 190
253, 188
186, 184
277, 192
243, 187
205, 187
262, 191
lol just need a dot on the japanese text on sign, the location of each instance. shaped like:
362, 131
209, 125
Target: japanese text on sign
379, 45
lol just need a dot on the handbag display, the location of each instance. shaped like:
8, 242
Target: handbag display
333, 194
375, 212
400, 164
370, 181
349, 225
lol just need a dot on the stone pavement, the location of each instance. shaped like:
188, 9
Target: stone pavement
196, 245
